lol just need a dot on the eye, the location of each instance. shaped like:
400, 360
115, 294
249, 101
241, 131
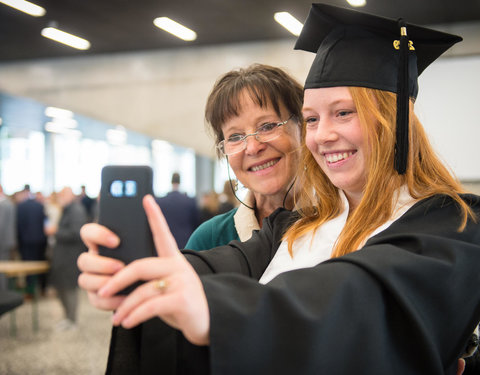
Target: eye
267, 127
235, 138
344, 113
311, 121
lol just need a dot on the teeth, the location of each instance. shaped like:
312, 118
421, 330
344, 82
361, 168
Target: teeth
333, 158
263, 166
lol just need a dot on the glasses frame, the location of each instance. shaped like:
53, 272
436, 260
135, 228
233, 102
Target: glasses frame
221, 145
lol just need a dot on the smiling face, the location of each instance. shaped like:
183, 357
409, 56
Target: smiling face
335, 138
267, 169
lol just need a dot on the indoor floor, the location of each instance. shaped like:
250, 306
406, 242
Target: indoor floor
80, 351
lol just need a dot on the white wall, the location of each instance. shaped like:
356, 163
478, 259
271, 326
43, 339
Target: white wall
449, 107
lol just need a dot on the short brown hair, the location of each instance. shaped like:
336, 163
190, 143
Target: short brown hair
266, 85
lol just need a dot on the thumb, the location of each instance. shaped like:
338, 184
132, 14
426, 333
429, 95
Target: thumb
162, 237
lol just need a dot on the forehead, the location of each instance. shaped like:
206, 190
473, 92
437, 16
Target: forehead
325, 96
247, 101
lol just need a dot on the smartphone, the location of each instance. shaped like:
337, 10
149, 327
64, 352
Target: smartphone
120, 210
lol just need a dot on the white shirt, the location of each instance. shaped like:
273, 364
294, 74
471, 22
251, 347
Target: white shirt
314, 248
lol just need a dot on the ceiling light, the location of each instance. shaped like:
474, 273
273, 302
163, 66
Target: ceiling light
68, 123
175, 28
25, 6
54, 127
58, 112
357, 3
65, 38
289, 22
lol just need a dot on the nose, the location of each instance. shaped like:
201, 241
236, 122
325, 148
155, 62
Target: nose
253, 145
325, 132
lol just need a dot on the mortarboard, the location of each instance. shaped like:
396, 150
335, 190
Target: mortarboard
360, 49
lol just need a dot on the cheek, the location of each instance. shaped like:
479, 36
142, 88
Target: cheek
310, 141
235, 162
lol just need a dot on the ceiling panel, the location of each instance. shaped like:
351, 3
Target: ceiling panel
126, 25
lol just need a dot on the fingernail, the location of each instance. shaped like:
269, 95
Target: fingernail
113, 241
102, 292
149, 197
117, 267
115, 320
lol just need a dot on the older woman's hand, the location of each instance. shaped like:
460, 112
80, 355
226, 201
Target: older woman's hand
96, 270
173, 292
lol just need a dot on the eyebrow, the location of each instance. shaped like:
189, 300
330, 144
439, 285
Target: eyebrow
336, 102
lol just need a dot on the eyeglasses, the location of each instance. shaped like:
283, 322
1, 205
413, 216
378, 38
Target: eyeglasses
237, 143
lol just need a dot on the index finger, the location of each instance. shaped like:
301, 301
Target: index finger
162, 237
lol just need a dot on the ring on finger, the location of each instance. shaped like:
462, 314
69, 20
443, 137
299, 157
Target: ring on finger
160, 285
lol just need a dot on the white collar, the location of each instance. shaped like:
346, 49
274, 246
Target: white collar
245, 219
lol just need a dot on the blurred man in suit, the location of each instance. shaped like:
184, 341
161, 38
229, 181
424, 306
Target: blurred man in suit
180, 211
32, 241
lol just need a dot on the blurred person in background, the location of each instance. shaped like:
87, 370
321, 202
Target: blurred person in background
32, 240
181, 212
227, 198
53, 211
8, 238
68, 246
88, 202
209, 206
255, 115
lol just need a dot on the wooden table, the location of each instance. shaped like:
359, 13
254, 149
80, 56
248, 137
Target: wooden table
20, 268
15, 268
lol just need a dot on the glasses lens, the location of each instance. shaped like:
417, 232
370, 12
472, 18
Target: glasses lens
269, 132
229, 147
233, 147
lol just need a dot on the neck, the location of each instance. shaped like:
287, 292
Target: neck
353, 201
266, 204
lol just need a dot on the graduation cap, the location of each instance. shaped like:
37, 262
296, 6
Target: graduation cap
360, 49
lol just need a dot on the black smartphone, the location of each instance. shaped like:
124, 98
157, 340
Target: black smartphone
120, 210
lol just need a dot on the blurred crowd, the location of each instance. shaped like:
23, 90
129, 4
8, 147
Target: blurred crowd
34, 227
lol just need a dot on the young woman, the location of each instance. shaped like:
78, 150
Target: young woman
255, 116
372, 274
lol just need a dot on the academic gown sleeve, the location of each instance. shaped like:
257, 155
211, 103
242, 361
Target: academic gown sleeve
406, 303
153, 347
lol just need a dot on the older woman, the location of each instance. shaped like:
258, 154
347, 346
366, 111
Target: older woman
372, 275
255, 115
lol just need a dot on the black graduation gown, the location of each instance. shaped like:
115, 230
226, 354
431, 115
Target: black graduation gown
405, 304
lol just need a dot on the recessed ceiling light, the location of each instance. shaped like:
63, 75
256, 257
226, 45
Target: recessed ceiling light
58, 112
175, 28
65, 38
26, 7
289, 22
357, 3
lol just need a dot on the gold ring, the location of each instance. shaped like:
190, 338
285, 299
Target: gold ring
160, 285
